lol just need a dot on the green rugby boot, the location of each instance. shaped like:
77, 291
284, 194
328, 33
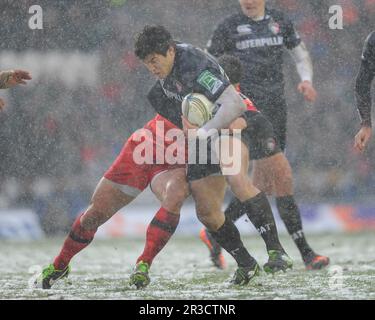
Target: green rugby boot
277, 261
49, 276
140, 277
243, 275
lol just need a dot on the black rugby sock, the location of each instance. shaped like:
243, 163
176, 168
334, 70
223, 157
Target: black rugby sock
234, 210
229, 238
260, 214
291, 217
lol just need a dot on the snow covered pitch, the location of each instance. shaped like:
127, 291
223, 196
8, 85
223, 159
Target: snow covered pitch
183, 271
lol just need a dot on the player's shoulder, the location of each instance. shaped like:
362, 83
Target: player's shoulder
370, 40
189, 58
231, 20
278, 15
192, 62
368, 51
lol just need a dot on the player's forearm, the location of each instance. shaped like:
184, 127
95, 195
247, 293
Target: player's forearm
363, 95
4, 78
231, 107
303, 62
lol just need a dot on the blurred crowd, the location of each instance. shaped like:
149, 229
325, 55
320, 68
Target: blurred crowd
56, 139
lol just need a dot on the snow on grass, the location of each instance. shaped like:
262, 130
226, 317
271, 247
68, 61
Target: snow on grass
183, 271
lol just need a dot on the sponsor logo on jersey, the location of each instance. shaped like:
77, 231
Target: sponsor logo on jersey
274, 27
261, 42
244, 29
209, 81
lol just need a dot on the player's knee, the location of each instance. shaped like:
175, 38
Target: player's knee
176, 193
209, 220
242, 187
203, 211
94, 217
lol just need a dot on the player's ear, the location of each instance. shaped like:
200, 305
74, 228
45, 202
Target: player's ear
171, 51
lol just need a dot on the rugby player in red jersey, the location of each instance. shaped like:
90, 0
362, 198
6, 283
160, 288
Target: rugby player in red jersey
120, 185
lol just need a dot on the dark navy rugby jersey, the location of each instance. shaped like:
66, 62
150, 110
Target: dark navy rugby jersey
193, 71
259, 45
363, 82
368, 55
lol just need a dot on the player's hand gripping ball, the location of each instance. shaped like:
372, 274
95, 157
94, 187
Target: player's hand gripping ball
197, 109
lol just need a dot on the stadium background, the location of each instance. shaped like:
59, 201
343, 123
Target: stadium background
61, 131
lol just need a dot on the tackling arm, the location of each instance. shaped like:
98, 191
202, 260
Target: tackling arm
230, 107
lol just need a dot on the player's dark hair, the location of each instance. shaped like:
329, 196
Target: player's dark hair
153, 39
232, 67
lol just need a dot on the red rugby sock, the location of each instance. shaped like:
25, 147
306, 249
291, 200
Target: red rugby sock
77, 240
158, 234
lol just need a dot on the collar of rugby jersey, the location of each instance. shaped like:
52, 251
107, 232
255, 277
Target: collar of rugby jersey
266, 17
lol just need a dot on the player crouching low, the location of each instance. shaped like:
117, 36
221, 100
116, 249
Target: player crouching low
121, 184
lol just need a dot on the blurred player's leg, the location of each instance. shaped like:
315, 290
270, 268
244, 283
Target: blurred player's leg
106, 201
171, 188
278, 169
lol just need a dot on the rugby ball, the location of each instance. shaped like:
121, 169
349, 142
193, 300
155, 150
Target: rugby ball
197, 109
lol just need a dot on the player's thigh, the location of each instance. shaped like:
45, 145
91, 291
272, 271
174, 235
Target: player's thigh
261, 177
208, 194
105, 202
279, 124
107, 196
237, 176
278, 169
171, 188
233, 155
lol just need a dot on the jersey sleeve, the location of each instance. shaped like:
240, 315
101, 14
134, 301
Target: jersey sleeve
211, 83
363, 81
167, 107
291, 36
159, 100
201, 73
368, 53
219, 42
156, 96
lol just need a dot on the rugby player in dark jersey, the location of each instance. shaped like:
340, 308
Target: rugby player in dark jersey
125, 179
11, 78
363, 92
263, 147
257, 36
182, 69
